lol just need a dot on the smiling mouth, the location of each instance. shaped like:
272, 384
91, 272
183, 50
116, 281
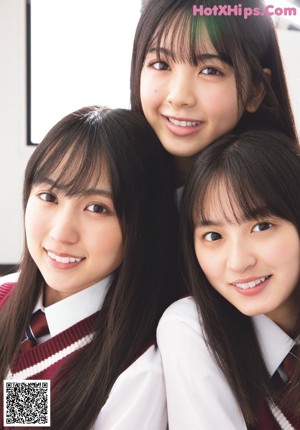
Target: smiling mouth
184, 123
64, 260
251, 284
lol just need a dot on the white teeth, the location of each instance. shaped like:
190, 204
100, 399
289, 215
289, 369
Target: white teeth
184, 123
251, 284
64, 260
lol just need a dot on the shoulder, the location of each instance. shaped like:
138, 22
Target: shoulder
137, 399
198, 394
5, 291
12, 277
148, 363
180, 328
7, 283
182, 312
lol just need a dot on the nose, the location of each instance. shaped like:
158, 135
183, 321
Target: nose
64, 227
240, 256
181, 90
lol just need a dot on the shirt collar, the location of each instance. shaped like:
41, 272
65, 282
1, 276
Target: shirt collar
65, 313
274, 343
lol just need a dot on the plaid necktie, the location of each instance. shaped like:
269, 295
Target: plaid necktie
38, 327
270, 420
289, 363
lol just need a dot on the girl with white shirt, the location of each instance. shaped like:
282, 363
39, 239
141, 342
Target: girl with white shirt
223, 347
98, 261
197, 75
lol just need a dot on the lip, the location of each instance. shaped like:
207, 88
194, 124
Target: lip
251, 286
181, 130
61, 260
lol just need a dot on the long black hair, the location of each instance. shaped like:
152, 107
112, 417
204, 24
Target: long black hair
79, 146
248, 45
261, 172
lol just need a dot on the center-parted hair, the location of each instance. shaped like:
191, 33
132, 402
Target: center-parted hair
260, 173
248, 45
76, 150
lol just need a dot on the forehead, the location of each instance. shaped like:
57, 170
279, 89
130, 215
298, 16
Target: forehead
64, 175
220, 204
183, 39
222, 201
74, 172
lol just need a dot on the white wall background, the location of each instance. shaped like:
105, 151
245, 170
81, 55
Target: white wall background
85, 65
13, 150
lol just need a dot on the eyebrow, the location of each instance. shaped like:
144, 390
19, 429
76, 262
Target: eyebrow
200, 57
256, 214
208, 222
89, 191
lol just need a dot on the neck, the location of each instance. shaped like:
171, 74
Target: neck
51, 296
288, 317
183, 166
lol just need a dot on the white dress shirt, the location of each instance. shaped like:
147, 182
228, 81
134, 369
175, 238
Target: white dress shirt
198, 395
12, 277
137, 400
73, 309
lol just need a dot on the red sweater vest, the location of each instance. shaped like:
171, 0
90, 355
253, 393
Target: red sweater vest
44, 360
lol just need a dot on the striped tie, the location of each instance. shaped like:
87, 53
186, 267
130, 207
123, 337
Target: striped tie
289, 363
38, 327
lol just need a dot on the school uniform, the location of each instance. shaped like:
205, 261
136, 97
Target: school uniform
12, 277
198, 395
137, 399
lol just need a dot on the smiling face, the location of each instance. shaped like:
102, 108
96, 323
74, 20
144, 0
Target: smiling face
75, 241
188, 106
189, 90
254, 264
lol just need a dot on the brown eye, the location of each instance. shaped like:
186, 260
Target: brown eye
99, 209
210, 71
160, 65
262, 226
212, 236
47, 197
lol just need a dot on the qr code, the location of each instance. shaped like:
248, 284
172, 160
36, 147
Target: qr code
27, 403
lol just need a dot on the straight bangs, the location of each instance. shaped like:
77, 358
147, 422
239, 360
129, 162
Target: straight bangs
73, 165
183, 38
187, 37
229, 199
71, 157
254, 176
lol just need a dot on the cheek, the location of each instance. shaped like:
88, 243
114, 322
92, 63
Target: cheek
206, 262
223, 104
34, 224
227, 111
150, 92
148, 100
107, 239
286, 255
114, 247
117, 243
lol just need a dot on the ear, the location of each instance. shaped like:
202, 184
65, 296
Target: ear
258, 94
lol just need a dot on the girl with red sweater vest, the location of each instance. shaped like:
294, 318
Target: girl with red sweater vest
100, 231
229, 351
